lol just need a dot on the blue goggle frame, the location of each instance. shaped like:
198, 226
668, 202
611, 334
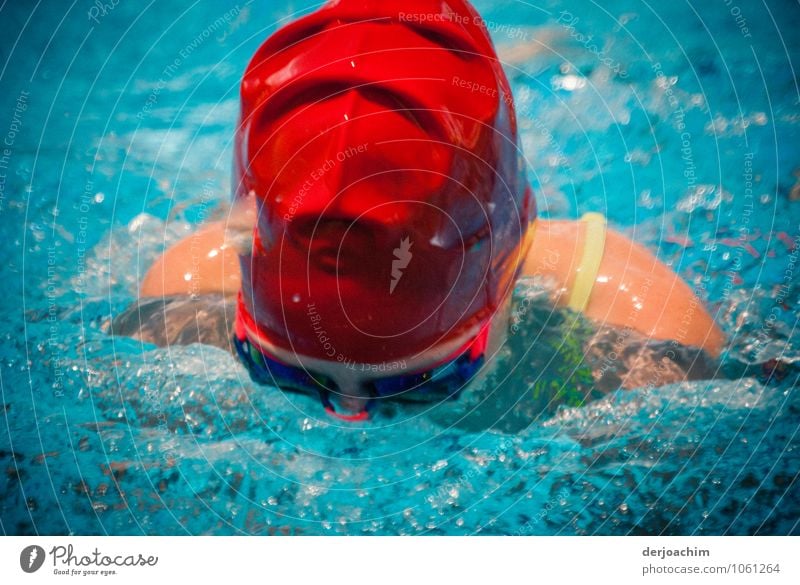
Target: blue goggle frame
444, 382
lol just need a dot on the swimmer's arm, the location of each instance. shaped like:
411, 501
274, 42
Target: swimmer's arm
206, 262
633, 289
202, 263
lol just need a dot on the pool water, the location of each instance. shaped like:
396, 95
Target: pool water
680, 122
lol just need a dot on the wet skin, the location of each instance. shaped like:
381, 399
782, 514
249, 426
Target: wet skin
632, 290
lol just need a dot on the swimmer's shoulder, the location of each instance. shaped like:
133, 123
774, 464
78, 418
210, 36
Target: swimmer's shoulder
623, 283
205, 262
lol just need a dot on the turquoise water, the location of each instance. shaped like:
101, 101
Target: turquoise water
680, 122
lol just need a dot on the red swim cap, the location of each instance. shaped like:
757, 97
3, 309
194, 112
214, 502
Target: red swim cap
380, 141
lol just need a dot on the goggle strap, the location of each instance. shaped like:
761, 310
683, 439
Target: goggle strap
349, 418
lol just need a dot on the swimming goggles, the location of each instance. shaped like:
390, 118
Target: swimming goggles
444, 381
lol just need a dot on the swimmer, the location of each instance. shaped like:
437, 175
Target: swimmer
382, 217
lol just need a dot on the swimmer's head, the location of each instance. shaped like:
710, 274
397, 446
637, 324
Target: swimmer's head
379, 141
